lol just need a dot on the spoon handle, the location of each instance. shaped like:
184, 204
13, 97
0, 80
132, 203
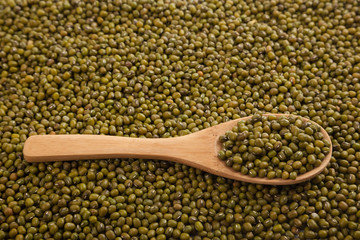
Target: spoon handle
47, 148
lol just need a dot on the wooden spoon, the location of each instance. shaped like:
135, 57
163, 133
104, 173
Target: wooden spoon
198, 150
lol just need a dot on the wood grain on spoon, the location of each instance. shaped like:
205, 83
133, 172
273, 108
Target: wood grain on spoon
198, 150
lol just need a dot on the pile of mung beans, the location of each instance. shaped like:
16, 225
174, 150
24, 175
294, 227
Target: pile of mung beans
159, 69
273, 146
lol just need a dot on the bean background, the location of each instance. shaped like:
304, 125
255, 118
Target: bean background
154, 69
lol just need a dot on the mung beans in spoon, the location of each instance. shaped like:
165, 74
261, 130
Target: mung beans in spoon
274, 147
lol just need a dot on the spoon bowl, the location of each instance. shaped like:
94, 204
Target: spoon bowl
198, 150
